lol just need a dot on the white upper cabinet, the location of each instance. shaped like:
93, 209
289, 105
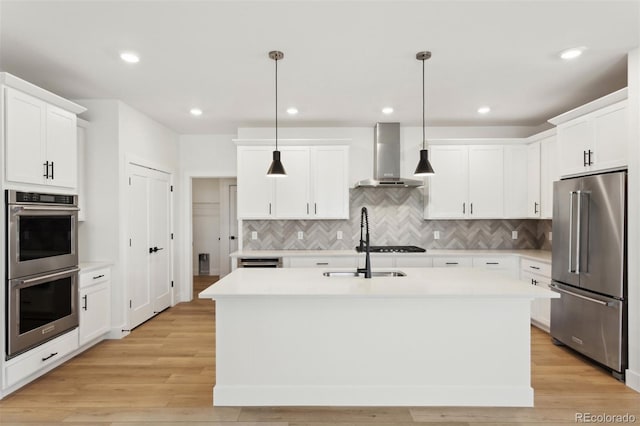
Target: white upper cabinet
40, 138
548, 174
469, 182
533, 180
516, 181
593, 138
315, 187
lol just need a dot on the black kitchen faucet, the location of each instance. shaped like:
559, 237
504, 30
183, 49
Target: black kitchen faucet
364, 243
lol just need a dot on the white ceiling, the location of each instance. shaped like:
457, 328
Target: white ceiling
344, 60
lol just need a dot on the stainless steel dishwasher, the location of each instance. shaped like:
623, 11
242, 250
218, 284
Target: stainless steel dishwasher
259, 262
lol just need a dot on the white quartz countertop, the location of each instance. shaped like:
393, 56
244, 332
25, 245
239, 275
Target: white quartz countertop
419, 283
539, 255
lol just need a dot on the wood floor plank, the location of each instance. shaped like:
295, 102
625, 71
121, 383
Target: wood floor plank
163, 374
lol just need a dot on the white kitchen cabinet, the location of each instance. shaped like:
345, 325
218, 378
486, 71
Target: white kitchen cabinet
469, 182
315, 187
413, 261
95, 304
548, 174
453, 262
507, 265
82, 201
40, 142
594, 142
538, 274
515, 181
533, 180
323, 261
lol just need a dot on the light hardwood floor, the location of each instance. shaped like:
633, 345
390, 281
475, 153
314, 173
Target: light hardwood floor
163, 374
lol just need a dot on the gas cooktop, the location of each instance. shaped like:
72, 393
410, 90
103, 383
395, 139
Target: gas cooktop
393, 249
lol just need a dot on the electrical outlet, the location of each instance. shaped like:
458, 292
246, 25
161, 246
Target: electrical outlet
436, 235
339, 235
300, 235
514, 235
550, 236
254, 235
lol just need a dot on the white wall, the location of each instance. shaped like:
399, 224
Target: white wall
633, 220
208, 155
117, 133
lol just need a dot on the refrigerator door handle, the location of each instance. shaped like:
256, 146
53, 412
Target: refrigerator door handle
578, 232
571, 270
579, 296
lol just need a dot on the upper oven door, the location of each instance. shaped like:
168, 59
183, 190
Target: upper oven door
41, 238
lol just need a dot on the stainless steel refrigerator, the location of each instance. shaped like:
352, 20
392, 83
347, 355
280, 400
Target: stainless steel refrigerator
589, 268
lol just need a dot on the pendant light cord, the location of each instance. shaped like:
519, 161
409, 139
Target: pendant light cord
276, 104
423, 113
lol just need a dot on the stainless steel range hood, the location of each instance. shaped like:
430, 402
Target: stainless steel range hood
386, 160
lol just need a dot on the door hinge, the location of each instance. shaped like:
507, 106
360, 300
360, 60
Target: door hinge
172, 235
172, 284
130, 304
129, 242
129, 181
171, 188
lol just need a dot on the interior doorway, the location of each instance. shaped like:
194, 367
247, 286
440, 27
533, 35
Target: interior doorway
214, 227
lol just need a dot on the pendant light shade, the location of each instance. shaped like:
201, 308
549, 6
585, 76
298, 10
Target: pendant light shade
424, 167
276, 169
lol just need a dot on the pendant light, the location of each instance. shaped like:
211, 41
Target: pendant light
424, 167
276, 169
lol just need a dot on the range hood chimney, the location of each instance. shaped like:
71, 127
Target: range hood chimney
386, 160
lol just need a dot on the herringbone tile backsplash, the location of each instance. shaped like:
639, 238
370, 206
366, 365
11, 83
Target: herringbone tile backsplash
395, 217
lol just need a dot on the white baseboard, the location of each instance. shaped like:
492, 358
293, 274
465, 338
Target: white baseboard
632, 380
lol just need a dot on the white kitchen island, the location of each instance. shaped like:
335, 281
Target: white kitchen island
436, 337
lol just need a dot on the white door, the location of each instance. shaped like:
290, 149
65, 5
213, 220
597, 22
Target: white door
149, 255
233, 220
448, 188
486, 182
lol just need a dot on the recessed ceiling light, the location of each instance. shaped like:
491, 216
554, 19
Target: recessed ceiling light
387, 110
484, 110
292, 111
196, 111
572, 53
130, 57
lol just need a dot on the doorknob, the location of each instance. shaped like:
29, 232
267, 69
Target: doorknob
154, 249
232, 237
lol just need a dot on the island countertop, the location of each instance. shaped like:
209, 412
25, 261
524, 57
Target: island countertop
418, 282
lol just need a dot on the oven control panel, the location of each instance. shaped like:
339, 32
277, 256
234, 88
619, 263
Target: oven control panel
39, 198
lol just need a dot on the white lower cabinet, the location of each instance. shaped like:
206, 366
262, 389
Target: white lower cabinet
95, 304
36, 360
453, 261
538, 274
322, 262
507, 265
414, 262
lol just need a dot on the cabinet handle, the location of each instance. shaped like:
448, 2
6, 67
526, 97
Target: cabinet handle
322, 263
589, 157
269, 208
451, 263
463, 207
52, 169
471, 210
98, 276
535, 208
50, 356
307, 208
85, 302
534, 267
315, 208
46, 170
492, 263
584, 158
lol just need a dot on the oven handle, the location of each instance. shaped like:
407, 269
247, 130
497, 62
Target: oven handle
46, 277
46, 208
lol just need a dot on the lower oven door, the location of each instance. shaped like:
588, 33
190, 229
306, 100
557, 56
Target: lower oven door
41, 307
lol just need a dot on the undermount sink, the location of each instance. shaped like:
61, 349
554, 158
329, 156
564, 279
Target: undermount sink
361, 274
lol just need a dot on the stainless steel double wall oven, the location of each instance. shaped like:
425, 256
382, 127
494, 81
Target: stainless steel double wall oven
42, 268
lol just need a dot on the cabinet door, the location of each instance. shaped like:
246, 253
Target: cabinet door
574, 139
448, 188
515, 181
330, 186
610, 137
25, 137
255, 189
62, 147
95, 311
548, 175
533, 180
292, 192
486, 182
